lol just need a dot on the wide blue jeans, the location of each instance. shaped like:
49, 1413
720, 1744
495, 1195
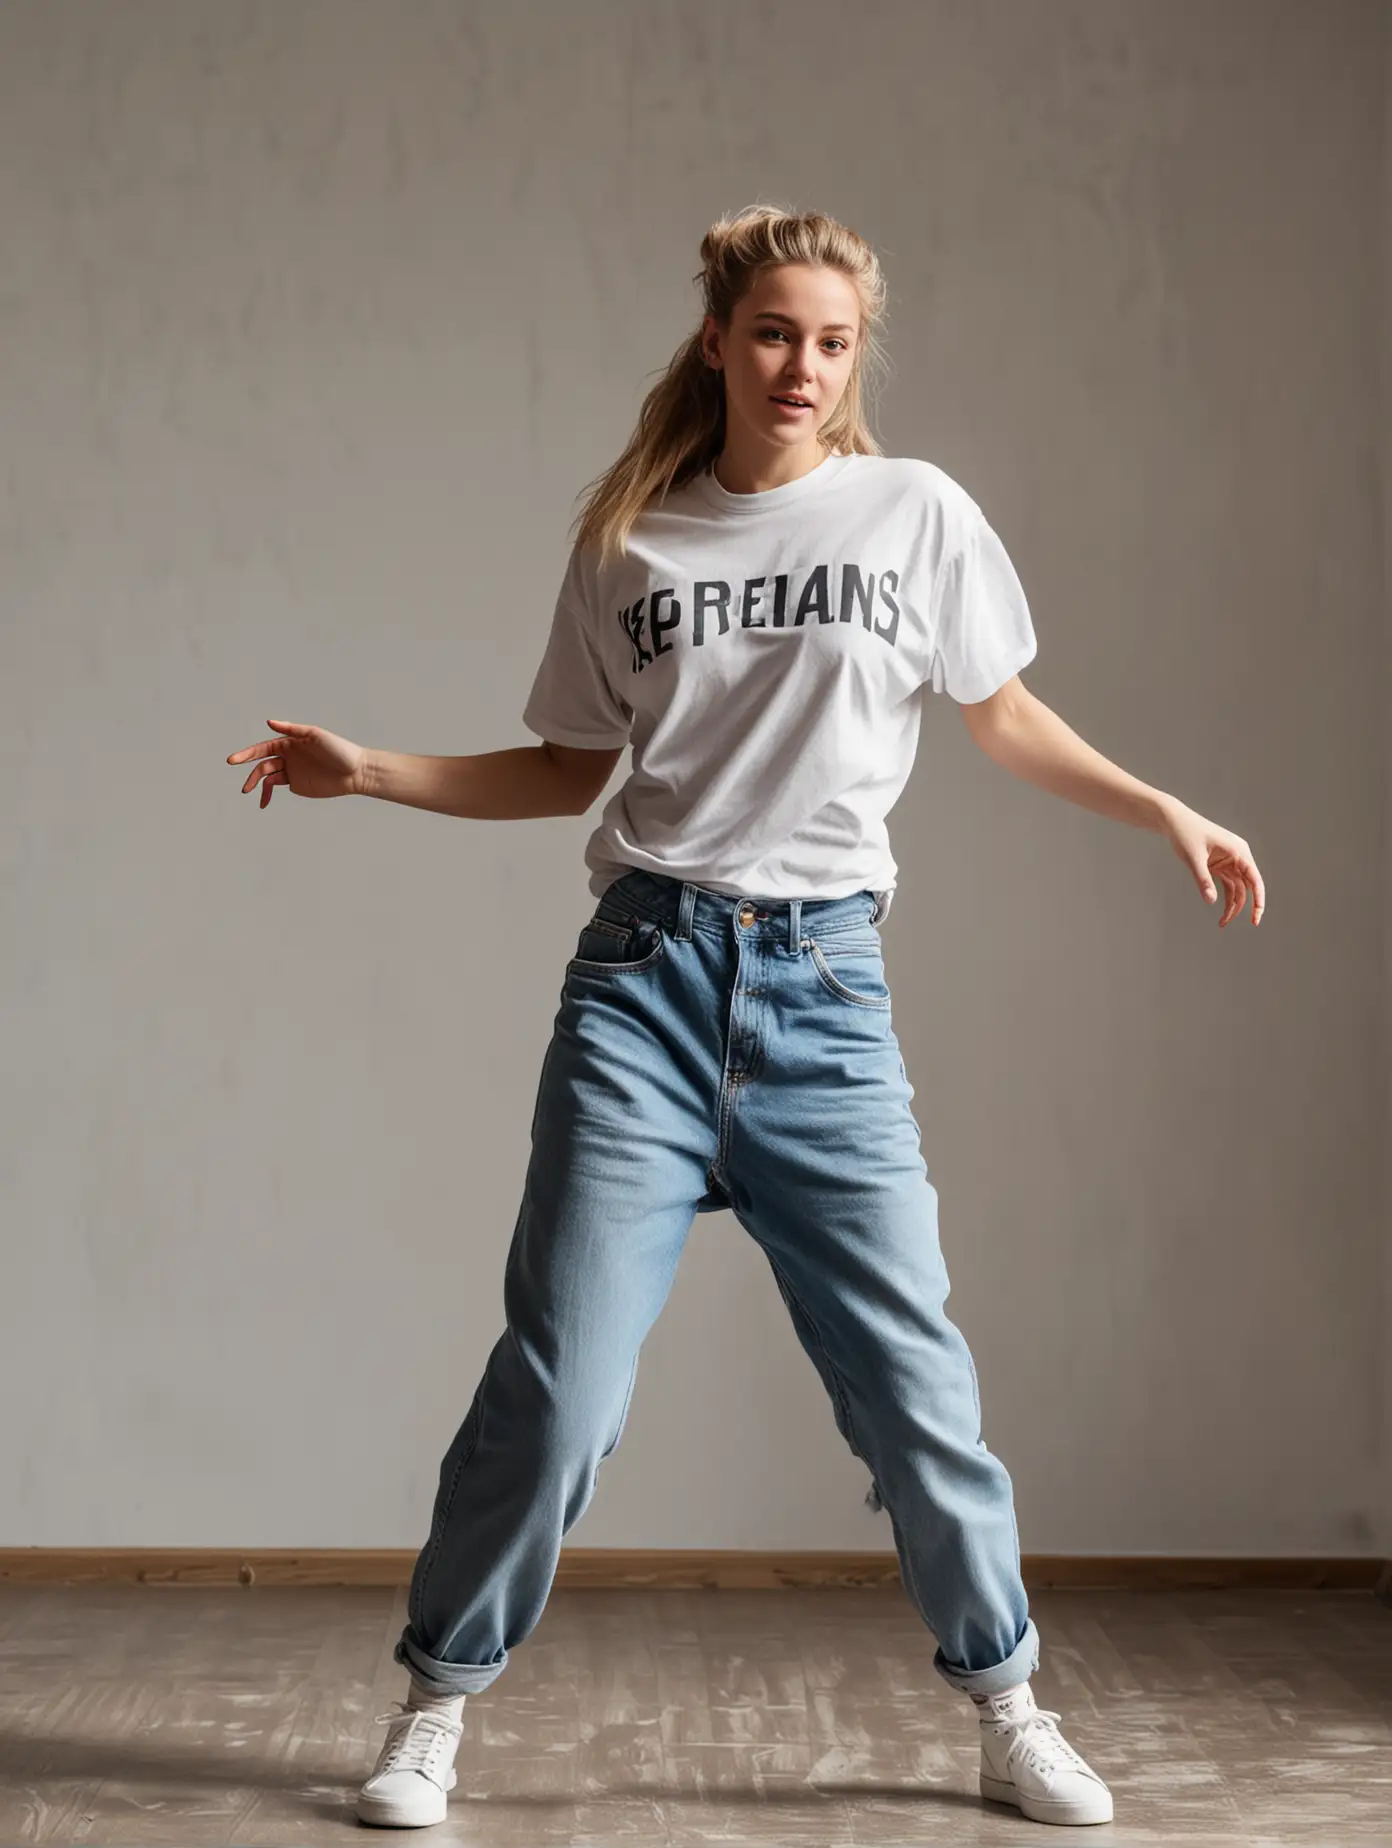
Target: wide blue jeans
717, 1052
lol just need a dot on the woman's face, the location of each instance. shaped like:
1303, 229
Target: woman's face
795, 333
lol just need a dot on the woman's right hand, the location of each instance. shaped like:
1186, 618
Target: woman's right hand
312, 761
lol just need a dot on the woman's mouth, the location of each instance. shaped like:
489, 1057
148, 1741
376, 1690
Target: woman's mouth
792, 405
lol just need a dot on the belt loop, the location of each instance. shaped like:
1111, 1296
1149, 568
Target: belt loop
794, 926
685, 908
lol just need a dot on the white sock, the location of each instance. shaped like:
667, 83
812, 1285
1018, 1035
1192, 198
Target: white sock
983, 1700
423, 1699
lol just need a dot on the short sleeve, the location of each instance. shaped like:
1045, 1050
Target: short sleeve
982, 632
572, 701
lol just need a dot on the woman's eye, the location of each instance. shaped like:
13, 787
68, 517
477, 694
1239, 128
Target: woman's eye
778, 334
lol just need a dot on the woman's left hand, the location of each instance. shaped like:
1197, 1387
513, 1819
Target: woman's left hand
1210, 853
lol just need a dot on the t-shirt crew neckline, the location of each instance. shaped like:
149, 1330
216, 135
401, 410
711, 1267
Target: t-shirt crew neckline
768, 500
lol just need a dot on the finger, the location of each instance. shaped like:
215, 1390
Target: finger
268, 786
1239, 892
257, 750
1199, 867
1243, 877
1227, 897
286, 725
266, 767
1254, 879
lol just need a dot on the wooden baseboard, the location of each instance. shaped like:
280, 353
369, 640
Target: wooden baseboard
612, 1569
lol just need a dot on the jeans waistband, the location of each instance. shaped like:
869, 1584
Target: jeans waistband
683, 907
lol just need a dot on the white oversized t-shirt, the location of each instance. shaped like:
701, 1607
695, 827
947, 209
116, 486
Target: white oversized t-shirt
766, 655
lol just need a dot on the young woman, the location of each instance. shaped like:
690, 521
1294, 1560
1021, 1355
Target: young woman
757, 600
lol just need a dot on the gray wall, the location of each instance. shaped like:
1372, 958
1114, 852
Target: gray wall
1385, 733
314, 320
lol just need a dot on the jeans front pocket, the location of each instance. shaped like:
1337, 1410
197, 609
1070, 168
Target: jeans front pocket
617, 945
851, 967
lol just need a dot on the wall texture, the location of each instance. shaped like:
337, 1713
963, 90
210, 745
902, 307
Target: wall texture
314, 320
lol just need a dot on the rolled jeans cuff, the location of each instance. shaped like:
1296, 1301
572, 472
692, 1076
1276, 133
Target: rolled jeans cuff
447, 1677
1018, 1666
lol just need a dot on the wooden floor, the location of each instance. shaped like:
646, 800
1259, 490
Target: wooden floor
151, 1715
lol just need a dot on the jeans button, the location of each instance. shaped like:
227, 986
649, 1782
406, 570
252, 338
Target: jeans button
746, 914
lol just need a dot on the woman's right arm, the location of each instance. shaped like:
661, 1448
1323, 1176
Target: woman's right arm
525, 780
509, 785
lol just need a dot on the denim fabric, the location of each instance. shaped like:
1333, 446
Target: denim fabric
717, 1052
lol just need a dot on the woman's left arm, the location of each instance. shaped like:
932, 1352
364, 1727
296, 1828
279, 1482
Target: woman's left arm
1024, 736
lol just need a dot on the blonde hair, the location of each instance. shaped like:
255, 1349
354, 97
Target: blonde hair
681, 425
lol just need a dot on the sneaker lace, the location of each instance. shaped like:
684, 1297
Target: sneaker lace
419, 1741
1039, 1742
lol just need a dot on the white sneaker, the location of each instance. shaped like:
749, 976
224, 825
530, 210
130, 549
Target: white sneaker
414, 1769
1026, 1761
